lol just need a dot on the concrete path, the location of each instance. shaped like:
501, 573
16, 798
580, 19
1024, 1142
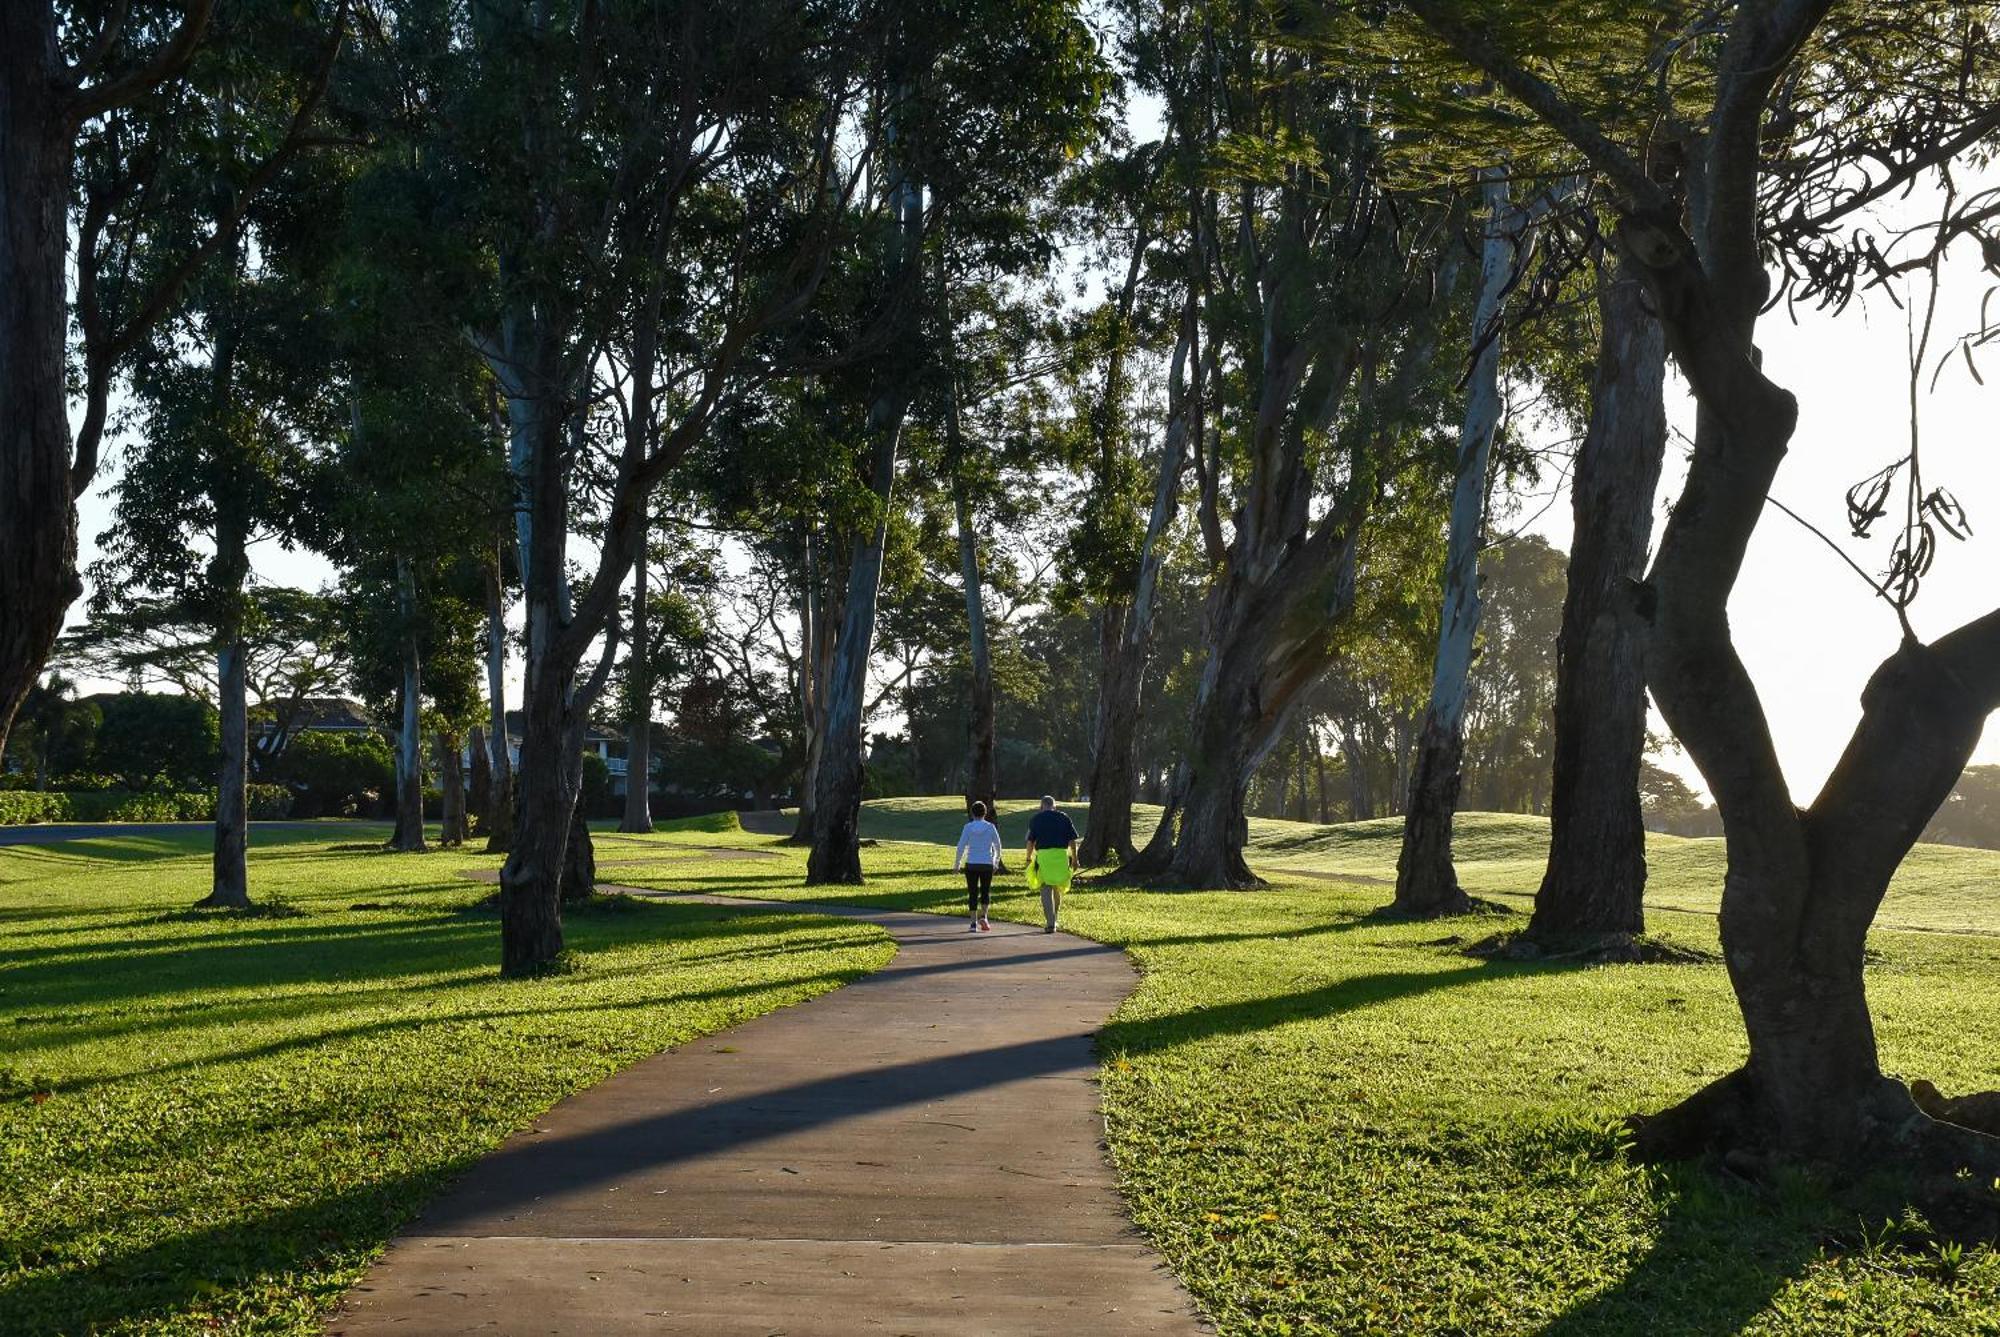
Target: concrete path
916, 1153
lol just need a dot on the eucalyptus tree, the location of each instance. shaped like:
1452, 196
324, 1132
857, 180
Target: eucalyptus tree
650, 173
227, 394
1426, 882
1595, 882
1322, 297
108, 91
1757, 156
1136, 207
979, 107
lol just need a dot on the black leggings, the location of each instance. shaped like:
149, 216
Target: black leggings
978, 889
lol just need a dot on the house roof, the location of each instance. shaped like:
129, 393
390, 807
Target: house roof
592, 733
332, 713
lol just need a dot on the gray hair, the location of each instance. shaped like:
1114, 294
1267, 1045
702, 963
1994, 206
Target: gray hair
1048, 800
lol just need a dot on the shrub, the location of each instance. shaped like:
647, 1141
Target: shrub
23, 807
270, 803
335, 774
118, 805
156, 740
596, 797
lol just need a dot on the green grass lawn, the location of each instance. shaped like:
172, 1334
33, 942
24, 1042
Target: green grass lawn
212, 1122
1332, 1124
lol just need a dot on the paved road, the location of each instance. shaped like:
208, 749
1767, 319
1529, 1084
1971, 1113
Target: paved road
919, 1152
51, 833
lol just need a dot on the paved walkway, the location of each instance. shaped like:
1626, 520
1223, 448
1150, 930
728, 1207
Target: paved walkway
916, 1153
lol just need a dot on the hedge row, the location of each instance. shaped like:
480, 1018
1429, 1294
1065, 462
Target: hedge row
20, 807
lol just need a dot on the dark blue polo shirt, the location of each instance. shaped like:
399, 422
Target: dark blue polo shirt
1051, 830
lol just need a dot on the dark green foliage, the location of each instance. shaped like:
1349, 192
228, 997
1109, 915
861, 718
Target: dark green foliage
155, 740
336, 774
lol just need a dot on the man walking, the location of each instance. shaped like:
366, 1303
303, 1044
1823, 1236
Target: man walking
1052, 850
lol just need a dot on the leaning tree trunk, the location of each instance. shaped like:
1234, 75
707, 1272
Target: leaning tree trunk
38, 577
231, 884
638, 818
451, 786
1595, 881
1125, 643
1268, 643
579, 880
1426, 882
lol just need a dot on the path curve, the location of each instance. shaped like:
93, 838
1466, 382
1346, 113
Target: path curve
919, 1152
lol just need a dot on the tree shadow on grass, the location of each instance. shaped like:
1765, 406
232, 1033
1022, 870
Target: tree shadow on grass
1144, 1035
179, 1275
1723, 1252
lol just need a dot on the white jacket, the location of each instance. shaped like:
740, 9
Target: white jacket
979, 842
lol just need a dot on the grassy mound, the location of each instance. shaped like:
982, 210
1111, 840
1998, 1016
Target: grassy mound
212, 1121
1334, 1124
1944, 888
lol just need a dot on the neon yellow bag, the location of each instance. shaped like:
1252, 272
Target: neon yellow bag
1052, 868
1034, 875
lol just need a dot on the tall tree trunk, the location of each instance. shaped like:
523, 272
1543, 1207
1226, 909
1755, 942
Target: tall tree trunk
1595, 881
38, 576
550, 778
982, 786
1125, 640
815, 668
836, 848
1426, 882
451, 785
1267, 645
479, 781
638, 817
579, 879
409, 833
231, 885
1319, 770
501, 801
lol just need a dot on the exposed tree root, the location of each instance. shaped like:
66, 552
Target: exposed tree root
1589, 949
1950, 1170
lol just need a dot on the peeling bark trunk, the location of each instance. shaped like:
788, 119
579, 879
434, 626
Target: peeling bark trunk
409, 833
836, 833
500, 796
231, 885
815, 667
1426, 882
38, 576
1595, 882
836, 820
638, 818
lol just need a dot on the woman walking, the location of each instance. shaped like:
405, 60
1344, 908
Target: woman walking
979, 854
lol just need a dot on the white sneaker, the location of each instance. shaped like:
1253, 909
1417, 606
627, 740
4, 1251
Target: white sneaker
973, 927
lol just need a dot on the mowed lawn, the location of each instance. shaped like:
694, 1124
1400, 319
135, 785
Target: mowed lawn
212, 1122
1333, 1124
